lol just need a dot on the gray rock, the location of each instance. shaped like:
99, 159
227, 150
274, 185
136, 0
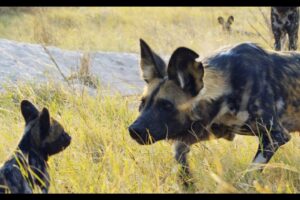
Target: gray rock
19, 62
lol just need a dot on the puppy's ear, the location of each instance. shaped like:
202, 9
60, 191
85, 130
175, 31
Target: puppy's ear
221, 20
152, 66
44, 123
185, 71
29, 111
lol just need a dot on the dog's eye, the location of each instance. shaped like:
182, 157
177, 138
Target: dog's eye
167, 104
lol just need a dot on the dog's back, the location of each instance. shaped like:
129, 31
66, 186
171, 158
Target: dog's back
15, 176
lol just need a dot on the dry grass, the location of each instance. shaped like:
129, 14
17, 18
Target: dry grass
103, 157
118, 29
83, 73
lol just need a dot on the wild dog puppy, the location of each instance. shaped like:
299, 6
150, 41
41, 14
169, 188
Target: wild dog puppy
285, 20
242, 89
27, 167
226, 25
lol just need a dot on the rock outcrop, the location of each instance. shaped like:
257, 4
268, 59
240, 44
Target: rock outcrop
19, 62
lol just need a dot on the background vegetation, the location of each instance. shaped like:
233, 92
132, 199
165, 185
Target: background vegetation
118, 29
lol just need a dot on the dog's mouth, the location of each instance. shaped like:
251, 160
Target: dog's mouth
66, 143
67, 140
58, 145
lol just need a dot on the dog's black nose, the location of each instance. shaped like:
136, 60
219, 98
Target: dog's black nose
67, 138
134, 131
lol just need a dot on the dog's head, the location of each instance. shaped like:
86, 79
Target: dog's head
42, 133
168, 92
226, 25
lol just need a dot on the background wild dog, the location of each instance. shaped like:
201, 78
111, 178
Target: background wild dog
241, 89
43, 137
226, 27
285, 20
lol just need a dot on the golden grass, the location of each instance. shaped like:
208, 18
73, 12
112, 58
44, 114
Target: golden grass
102, 156
118, 29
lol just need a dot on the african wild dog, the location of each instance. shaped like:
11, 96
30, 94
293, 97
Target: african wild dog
285, 20
242, 89
226, 27
27, 168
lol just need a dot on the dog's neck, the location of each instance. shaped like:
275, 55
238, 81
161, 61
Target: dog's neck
26, 147
36, 159
38, 154
39, 166
36, 167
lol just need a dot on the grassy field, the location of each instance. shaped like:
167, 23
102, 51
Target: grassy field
118, 29
102, 156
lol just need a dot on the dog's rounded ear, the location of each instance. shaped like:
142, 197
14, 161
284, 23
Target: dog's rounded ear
221, 20
230, 19
185, 71
152, 65
29, 111
44, 123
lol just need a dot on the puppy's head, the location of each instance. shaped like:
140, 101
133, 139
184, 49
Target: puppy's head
42, 134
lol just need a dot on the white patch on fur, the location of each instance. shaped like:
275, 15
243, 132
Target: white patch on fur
148, 72
252, 45
28, 127
260, 159
242, 117
226, 118
214, 85
224, 109
244, 100
202, 92
181, 80
226, 53
218, 119
246, 96
276, 24
279, 104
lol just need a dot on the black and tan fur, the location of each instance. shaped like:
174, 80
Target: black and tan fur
27, 168
285, 21
242, 89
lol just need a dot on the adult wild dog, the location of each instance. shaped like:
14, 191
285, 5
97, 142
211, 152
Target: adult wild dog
285, 21
226, 27
242, 89
27, 168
